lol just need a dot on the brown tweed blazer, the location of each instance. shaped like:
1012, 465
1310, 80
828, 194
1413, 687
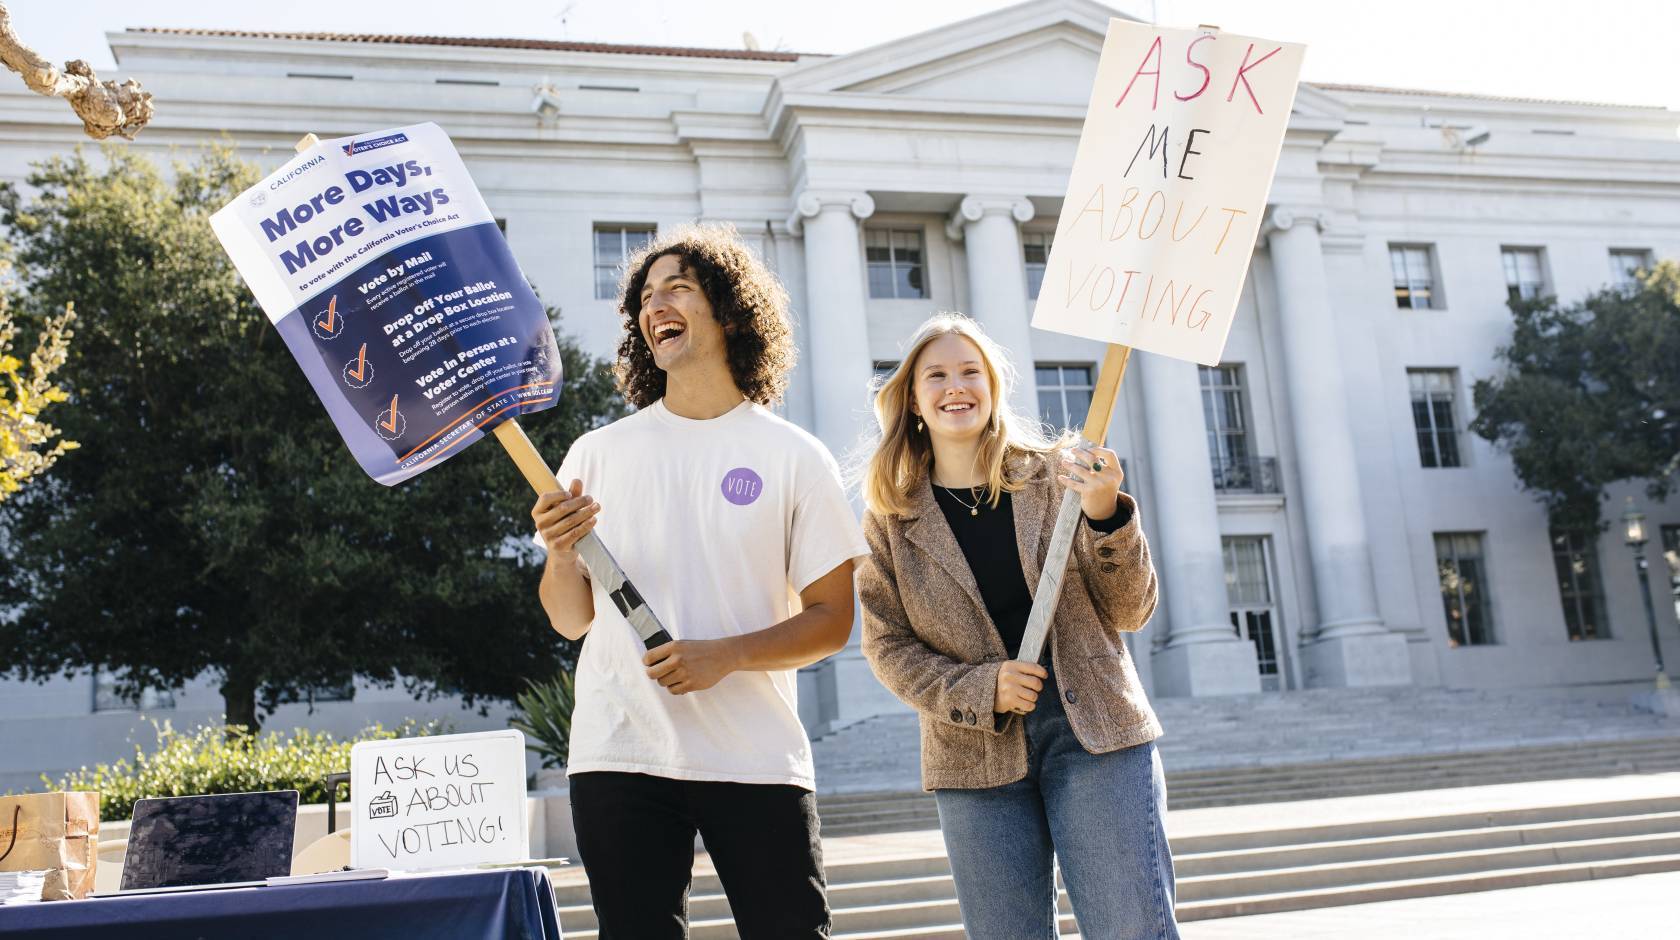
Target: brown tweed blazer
929, 639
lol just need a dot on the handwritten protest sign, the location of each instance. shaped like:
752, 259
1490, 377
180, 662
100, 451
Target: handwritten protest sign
1169, 182
447, 801
1169, 185
384, 272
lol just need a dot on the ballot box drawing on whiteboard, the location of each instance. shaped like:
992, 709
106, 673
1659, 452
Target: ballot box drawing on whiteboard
446, 801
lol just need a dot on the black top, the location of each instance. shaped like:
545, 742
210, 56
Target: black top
987, 540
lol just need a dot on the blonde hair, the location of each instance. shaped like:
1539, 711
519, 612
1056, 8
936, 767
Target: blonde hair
901, 455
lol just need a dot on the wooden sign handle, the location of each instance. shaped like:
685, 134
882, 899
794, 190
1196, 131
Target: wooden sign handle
1108, 389
526, 458
1049, 590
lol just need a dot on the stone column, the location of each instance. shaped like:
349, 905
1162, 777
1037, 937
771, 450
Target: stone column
1350, 646
1201, 653
997, 281
838, 351
840, 689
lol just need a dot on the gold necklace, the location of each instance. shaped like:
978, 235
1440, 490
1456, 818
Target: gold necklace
973, 509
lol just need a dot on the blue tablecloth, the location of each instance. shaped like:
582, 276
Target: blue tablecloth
511, 904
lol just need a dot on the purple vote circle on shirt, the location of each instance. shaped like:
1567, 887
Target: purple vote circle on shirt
742, 486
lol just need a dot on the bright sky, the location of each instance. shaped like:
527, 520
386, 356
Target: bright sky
1618, 51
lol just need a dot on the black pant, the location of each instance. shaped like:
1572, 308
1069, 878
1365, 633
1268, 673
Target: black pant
635, 833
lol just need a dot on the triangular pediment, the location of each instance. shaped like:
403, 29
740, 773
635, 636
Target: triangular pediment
1049, 66
1042, 52
1312, 102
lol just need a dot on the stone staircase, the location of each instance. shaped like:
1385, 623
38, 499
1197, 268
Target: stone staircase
1305, 728
887, 886
1288, 802
847, 814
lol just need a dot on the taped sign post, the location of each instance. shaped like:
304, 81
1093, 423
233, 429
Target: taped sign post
1169, 185
448, 801
384, 272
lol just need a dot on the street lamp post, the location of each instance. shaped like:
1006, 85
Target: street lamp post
1633, 522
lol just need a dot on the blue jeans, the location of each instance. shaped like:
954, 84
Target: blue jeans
1100, 815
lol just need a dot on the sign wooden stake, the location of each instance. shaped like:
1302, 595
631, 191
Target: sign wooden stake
603, 568
1049, 591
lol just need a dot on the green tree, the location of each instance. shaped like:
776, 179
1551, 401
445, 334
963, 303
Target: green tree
216, 522
1590, 396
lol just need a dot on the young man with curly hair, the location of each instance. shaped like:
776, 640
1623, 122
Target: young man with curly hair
721, 513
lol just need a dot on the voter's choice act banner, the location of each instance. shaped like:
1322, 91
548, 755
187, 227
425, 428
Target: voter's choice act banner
384, 272
1168, 188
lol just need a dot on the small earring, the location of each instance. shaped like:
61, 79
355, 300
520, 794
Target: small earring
918, 425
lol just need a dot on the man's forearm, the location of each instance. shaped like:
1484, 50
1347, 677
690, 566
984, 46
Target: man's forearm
567, 597
817, 632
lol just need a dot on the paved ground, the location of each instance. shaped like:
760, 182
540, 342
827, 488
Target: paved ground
883, 753
1628, 908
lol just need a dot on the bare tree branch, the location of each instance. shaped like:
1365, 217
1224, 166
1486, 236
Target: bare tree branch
105, 108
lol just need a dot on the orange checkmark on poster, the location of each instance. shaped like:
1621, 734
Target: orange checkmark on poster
361, 367
331, 322
390, 424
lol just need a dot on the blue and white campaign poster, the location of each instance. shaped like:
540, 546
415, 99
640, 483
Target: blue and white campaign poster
384, 272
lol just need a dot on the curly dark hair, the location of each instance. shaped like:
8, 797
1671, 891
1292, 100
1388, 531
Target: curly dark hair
747, 300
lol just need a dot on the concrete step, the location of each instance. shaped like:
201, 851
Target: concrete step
1191, 865
885, 802
1632, 751
1398, 785
1065, 925
1448, 864
839, 875
905, 919
1191, 845
1422, 887
1446, 756
921, 806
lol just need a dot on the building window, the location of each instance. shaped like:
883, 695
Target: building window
1626, 265
895, 262
1414, 277
1464, 588
1036, 247
1432, 412
106, 699
1064, 394
613, 244
1525, 273
1248, 588
1576, 557
1225, 413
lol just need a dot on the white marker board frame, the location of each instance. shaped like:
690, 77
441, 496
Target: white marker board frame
439, 802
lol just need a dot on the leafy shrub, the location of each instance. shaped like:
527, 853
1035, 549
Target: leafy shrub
546, 718
225, 759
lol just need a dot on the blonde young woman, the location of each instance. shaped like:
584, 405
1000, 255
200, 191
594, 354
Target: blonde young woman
1029, 762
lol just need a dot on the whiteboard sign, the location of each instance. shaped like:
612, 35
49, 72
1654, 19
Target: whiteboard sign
1168, 188
449, 801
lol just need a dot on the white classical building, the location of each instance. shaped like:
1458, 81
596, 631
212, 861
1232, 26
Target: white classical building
1318, 491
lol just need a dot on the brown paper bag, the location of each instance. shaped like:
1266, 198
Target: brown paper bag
54, 832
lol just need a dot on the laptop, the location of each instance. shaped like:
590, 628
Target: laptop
189, 843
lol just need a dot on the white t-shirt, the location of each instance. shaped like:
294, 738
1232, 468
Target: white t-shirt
719, 524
